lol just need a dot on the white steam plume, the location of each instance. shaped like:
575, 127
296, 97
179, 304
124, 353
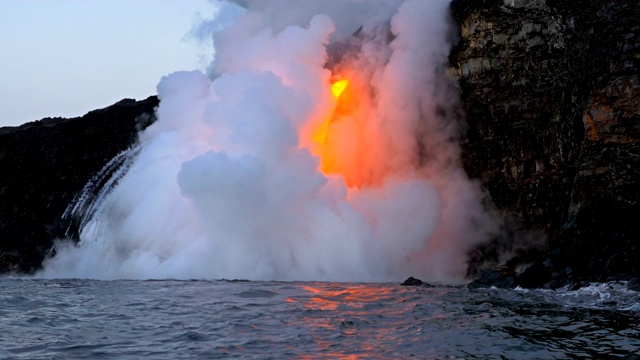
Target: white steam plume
228, 183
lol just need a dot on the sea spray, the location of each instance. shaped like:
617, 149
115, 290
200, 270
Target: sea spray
230, 182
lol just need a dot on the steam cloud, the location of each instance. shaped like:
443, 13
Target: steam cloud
227, 184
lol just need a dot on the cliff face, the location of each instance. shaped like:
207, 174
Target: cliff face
552, 93
46, 163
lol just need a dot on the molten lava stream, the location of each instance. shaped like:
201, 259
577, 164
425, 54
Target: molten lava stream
346, 141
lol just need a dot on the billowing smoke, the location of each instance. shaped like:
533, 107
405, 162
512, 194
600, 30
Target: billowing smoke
256, 171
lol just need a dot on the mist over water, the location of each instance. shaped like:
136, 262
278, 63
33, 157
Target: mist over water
256, 171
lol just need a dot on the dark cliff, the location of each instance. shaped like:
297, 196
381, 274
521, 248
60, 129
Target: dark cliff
46, 163
552, 93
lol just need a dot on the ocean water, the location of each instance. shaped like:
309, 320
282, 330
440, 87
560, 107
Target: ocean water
166, 319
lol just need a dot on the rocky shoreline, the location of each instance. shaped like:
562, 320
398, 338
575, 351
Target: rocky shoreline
551, 90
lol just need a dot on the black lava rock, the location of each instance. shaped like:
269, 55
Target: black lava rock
46, 163
634, 284
503, 277
411, 281
552, 98
536, 275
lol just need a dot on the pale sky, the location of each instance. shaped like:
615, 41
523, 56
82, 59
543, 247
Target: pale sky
67, 57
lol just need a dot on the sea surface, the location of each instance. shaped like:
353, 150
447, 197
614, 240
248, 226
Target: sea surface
86, 319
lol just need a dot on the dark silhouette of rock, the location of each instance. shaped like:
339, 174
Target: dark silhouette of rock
552, 94
575, 287
502, 277
536, 275
46, 163
411, 281
634, 285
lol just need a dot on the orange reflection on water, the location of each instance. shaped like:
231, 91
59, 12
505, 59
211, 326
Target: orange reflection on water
322, 301
354, 296
337, 315
334, 355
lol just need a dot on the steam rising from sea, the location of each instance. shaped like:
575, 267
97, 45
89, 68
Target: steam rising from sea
227, 184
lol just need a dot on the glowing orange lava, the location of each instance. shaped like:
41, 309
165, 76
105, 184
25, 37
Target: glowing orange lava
338, 87
350, 302
346, 140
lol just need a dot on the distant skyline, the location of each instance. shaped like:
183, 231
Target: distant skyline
67, 57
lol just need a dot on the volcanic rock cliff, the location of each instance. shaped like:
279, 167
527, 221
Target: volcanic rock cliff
552, 93
46, 163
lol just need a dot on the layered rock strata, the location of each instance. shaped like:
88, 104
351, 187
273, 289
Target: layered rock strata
552, 93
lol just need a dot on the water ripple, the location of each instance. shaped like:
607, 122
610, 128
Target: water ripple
222, 319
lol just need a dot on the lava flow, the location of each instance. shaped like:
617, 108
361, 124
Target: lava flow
337, 88
344, 139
